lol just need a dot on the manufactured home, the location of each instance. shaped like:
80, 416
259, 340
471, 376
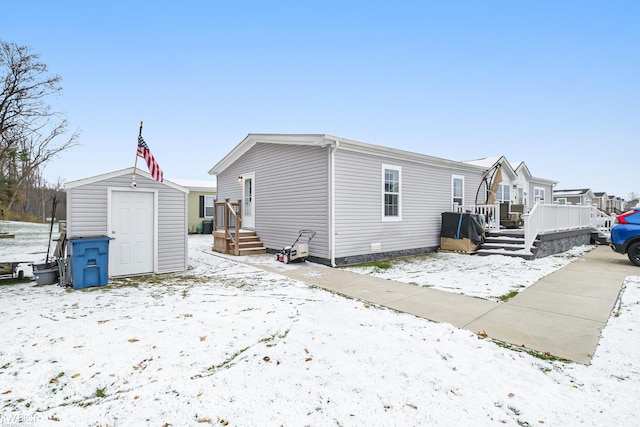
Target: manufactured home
365, 202
202, 195
518, 186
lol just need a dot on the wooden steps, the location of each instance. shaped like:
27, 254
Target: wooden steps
248, 243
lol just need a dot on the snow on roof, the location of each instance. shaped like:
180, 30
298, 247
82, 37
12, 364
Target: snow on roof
571, 192
486, 162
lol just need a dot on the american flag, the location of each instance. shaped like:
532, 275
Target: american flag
145, 153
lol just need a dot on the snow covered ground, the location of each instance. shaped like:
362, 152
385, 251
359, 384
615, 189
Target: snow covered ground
228, 344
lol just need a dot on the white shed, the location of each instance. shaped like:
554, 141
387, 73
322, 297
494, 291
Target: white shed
147, 222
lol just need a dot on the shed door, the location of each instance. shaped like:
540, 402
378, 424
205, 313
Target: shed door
248, 201
132, 229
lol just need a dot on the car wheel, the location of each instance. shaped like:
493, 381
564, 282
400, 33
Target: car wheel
286, 259
634, 253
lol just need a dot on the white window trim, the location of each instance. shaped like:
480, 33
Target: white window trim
501, 187
392, 218
535, 191
213, 206
561, 200
453, 178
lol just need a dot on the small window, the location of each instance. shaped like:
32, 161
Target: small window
538, 194
457, 189
208, 206
391, 185
562, 200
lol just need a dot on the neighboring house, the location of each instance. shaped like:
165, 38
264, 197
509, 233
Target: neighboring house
364, 201
147, 222
202, 195
518, 185
582, 196
600, 200
615, 204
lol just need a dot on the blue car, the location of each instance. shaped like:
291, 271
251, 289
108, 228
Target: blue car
625, 235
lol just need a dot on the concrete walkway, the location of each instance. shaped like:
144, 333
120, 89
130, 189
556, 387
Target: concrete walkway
562, 314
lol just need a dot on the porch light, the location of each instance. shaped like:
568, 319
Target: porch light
240, 180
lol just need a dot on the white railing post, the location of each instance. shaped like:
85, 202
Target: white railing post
532, 224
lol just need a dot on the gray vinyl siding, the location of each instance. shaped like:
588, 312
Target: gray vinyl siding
87, 216
425, 194
548, 192
291, 193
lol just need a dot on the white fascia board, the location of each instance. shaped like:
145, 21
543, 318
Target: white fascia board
525, 169
97, 178
253, 138
323, 140
115, 174
397, 154
543, 181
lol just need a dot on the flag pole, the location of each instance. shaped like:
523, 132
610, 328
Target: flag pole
135, 164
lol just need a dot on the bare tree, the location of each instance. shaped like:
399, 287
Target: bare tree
31, 133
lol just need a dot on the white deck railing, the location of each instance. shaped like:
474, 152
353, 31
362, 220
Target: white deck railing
602, 221
490, 212
546, 218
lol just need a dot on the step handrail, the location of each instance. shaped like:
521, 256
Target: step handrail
544, 218
233, 211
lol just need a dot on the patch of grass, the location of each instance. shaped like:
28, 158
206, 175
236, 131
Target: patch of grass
508, 296
13, 281
100, 393
228, 362
380, 265
537, 354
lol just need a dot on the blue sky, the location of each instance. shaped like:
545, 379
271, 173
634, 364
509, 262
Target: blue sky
553, 83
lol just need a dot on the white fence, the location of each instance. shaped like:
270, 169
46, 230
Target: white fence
546, 218
491, 213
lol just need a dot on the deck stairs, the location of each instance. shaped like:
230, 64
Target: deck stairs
249, 243
509, 242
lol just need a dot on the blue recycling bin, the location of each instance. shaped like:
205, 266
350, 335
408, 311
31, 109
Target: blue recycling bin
89, 261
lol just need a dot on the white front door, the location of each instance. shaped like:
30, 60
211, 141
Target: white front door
132, 229
248, 201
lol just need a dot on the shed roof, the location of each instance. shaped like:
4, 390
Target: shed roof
122, 172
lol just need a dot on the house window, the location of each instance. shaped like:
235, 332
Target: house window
504, 193
391, 185
457, 189
562, 200
538, 194
206, 206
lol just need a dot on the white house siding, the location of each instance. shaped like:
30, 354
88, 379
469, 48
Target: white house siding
87, 216
425, 194
291, 193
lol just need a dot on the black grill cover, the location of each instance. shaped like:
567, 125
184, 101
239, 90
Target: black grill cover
460, 225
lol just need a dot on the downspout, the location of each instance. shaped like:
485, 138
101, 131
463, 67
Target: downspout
332, 203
